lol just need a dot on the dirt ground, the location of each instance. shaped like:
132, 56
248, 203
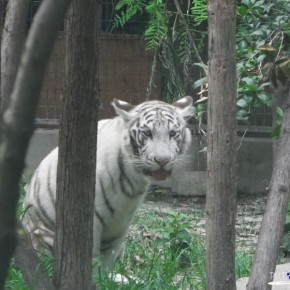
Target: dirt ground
249, 213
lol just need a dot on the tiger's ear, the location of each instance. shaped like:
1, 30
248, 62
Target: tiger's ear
184, 107
123, 109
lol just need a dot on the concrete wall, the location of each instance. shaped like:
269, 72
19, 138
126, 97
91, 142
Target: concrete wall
254, 164
41, 143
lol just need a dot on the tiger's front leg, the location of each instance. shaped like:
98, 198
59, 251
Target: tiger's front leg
105, 253
111, 253
110, 256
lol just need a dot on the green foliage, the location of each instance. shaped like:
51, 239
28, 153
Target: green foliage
24, 182
263, 30
132, 8
169, 34
263, 57
175, 237
244, 263
15, 279
172, 256
162, 252
200, 111
199, 11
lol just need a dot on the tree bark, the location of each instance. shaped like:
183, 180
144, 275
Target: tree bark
275, 214
1, 31
280, 97
18, 121
3, 5
76, 170
13, 39
221, 150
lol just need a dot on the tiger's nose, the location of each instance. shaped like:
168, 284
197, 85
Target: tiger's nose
162, 161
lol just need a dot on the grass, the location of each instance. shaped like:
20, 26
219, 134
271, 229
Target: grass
162, 251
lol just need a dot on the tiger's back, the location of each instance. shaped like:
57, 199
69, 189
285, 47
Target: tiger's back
140, 146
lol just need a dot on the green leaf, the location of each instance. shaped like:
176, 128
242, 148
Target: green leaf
159, 243
264, 98
276, 132
199, 83
258, 33
242, 11
202, 65
266, 84
279, 112
261, 58
249, 81
242, 115
242, 103
184, 235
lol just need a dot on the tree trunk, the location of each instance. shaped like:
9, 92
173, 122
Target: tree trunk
280, 97
13, 39
18, 121
221, 150
76, 170
275, 214
2, 5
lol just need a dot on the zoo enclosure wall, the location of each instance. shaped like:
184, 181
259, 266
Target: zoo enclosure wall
124, 73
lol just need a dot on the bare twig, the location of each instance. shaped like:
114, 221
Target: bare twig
242, 138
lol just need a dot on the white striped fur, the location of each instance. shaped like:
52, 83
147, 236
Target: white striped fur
136, 148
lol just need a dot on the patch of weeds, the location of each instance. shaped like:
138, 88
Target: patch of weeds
24, 183
174, 235
15, 280
244, 264
164, 253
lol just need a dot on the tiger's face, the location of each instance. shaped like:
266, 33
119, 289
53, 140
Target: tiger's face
157, 134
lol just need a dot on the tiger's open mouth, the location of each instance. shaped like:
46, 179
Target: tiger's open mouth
160, 174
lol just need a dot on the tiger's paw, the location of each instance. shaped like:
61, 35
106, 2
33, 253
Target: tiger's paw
121, 279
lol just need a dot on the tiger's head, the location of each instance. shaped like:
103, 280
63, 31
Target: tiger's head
157, 136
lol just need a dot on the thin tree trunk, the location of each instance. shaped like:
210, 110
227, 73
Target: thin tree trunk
18, 121
221, 150
280, 97
275, 214
1, 31
76, 170
13, 39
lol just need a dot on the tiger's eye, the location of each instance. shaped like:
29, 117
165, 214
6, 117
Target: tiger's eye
147, 133
172, 133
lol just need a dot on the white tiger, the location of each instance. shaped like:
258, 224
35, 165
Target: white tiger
140, 146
